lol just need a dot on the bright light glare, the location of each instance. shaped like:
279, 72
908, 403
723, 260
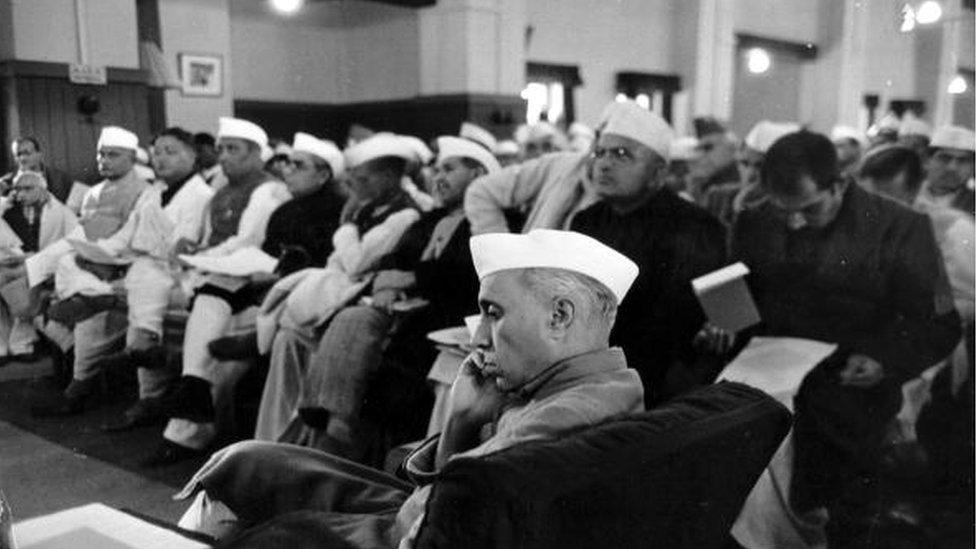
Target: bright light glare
287, 6
536, 95
907, 18
644, 101
929, 12
620, 98
758, 60
957, 85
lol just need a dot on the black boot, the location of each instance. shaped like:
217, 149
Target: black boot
191, 399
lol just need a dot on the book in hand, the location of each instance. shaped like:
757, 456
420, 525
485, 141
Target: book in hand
725, 298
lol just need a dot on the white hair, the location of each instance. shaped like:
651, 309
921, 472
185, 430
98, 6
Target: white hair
599, 304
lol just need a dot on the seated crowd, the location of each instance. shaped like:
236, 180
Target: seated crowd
585, 313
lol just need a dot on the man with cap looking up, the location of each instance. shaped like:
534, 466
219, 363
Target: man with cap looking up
725, 202
671, 240
237, 218
950, 167
542, 366
432, 262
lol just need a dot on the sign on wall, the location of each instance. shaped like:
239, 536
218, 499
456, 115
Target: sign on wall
79, 73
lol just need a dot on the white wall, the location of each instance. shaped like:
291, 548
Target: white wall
45, 30
197, 26
603, 38
331, 53
793, 20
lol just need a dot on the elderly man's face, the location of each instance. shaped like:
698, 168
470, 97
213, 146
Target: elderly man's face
302, 175
172, 159
949, 169
450, 180
29, 189
622, 168
115, 162
513, 329
238, 157
28, 158
749, 162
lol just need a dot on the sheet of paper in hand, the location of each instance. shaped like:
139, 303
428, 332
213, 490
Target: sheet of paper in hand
95, 253
777, 365
243, 262
725, 298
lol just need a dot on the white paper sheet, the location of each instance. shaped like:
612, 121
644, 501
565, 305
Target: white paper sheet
96, 526
95, 253
777, 365
243, 262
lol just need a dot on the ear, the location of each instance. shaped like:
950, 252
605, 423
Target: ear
562, 315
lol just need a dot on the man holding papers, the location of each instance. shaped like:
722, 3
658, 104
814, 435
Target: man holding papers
833, 263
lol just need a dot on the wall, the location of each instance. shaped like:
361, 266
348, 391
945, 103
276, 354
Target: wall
334, 52
197, 26
603, 38
109, 25
792, 20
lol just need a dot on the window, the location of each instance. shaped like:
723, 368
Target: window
651, 91
549, 92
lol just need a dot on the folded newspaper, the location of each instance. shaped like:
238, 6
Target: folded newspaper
777, 365
243, 262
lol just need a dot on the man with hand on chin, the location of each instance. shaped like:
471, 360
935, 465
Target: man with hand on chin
543, 365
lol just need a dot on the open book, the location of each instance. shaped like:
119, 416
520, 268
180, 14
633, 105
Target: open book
725, 298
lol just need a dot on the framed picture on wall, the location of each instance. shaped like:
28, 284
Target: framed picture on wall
202, 74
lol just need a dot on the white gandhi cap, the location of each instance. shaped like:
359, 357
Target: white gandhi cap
449, 146
378, 146
322, 148
247, 130
478, 134
765, 133
550, 249
630, 120
114, 136
954, 137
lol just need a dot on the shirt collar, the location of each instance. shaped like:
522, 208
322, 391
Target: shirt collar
572, 371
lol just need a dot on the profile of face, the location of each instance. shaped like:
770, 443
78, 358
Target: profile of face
623, 169
749, 162
949, 169
808, 205
895, 187
29, 189
848, 152
450, 179
369, 181
714, 152
115, 162
302, 175
172, 160
238, 157
27, 156
513, 332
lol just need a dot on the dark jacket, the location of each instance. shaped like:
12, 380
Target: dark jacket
304, 226
872, 281
672, 241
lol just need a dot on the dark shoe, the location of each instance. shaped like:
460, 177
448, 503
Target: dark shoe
191, 399
169, 453
147, 411
77, 397
236, 347
151, 358
80, 307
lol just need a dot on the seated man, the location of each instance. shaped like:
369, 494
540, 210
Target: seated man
542, 366
834, 263
950, 170
671, 240
432, 263
30, 158
38, 219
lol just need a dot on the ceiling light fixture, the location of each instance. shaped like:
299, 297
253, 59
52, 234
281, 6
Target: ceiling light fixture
287, 6
957, 85
928, 12
758, 60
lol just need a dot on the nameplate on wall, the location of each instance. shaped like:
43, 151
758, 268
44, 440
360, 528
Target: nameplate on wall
87, 74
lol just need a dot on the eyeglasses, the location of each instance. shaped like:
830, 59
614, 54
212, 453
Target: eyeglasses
619, 155
946, 157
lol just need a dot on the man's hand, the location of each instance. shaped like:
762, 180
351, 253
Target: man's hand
714, 340
861, 371
185, 246
474, 400
384, 299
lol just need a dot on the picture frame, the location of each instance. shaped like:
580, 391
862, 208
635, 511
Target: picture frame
201, 74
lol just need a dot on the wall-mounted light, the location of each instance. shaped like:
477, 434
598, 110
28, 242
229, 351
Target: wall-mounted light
643, 100
758, 60
957, 85
928, 12
287, 6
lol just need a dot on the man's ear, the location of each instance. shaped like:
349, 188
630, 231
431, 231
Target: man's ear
563, 314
